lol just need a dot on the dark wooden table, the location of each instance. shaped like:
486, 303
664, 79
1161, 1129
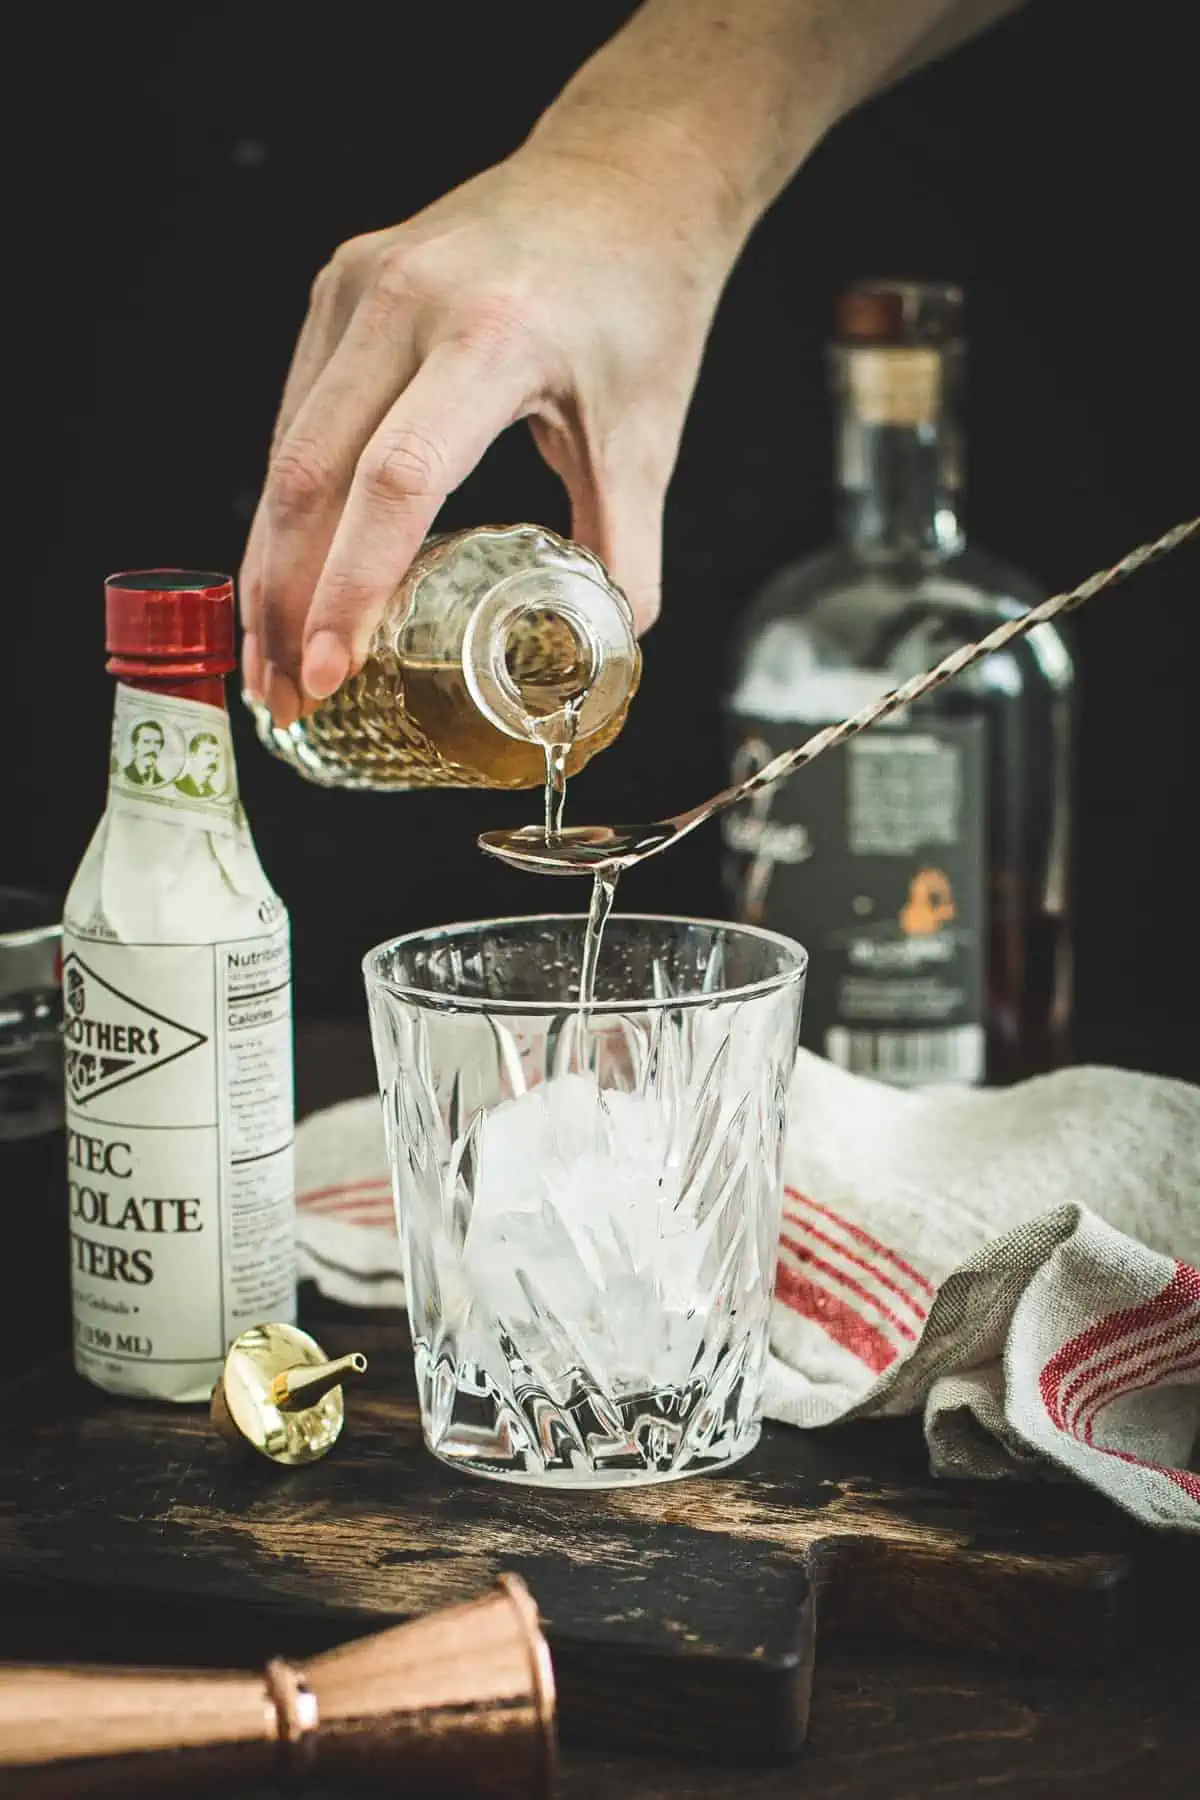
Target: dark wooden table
888, 1722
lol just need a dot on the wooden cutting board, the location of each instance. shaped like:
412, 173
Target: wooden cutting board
683, 1615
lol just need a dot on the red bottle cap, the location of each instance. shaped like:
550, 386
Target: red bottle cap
169, 624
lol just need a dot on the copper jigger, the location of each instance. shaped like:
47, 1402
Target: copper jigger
461, 1701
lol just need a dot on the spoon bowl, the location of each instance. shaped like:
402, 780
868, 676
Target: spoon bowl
579, 850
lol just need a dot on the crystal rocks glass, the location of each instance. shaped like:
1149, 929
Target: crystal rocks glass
588, 1201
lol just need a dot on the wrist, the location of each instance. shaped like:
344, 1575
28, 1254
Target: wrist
715, 106
685, 186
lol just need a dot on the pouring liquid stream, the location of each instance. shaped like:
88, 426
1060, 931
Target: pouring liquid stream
604, 892
557, 734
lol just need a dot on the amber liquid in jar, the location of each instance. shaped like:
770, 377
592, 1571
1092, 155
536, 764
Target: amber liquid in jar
501, 642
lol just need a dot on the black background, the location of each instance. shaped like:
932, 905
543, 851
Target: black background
178, 174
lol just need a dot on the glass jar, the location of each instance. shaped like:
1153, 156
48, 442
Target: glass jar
499, 643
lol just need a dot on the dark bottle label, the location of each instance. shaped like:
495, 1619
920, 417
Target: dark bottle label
874, 860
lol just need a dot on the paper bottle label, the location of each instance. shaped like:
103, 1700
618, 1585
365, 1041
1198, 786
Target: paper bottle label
874, 859
172, 758
178, 1066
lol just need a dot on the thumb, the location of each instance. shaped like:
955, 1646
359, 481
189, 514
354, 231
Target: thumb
617, 513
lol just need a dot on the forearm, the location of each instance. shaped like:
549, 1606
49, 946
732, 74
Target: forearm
735, 94
957, 25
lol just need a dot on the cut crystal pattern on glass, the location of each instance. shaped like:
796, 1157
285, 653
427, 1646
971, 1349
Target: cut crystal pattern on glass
589, 1202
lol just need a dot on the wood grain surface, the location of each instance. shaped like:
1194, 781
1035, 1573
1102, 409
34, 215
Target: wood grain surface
683, 1614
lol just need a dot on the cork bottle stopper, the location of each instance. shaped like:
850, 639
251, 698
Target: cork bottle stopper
892, 338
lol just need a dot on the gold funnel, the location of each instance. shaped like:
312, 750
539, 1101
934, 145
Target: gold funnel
280, 1394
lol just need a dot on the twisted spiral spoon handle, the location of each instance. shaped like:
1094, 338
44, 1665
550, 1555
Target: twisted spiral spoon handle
954, 664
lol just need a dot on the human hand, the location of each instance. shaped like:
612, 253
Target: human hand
562, 286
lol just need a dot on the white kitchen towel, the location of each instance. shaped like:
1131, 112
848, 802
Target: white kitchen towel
1019, 1265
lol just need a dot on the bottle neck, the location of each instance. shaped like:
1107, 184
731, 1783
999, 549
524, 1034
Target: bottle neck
550, 654
207, 690
899, 455
171, 755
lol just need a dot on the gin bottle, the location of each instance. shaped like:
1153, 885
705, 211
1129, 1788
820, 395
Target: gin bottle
924, 864
176, 984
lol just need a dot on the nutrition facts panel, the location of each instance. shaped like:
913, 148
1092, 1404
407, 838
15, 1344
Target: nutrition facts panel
254, 988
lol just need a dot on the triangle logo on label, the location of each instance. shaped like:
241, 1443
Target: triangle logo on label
110, 1037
